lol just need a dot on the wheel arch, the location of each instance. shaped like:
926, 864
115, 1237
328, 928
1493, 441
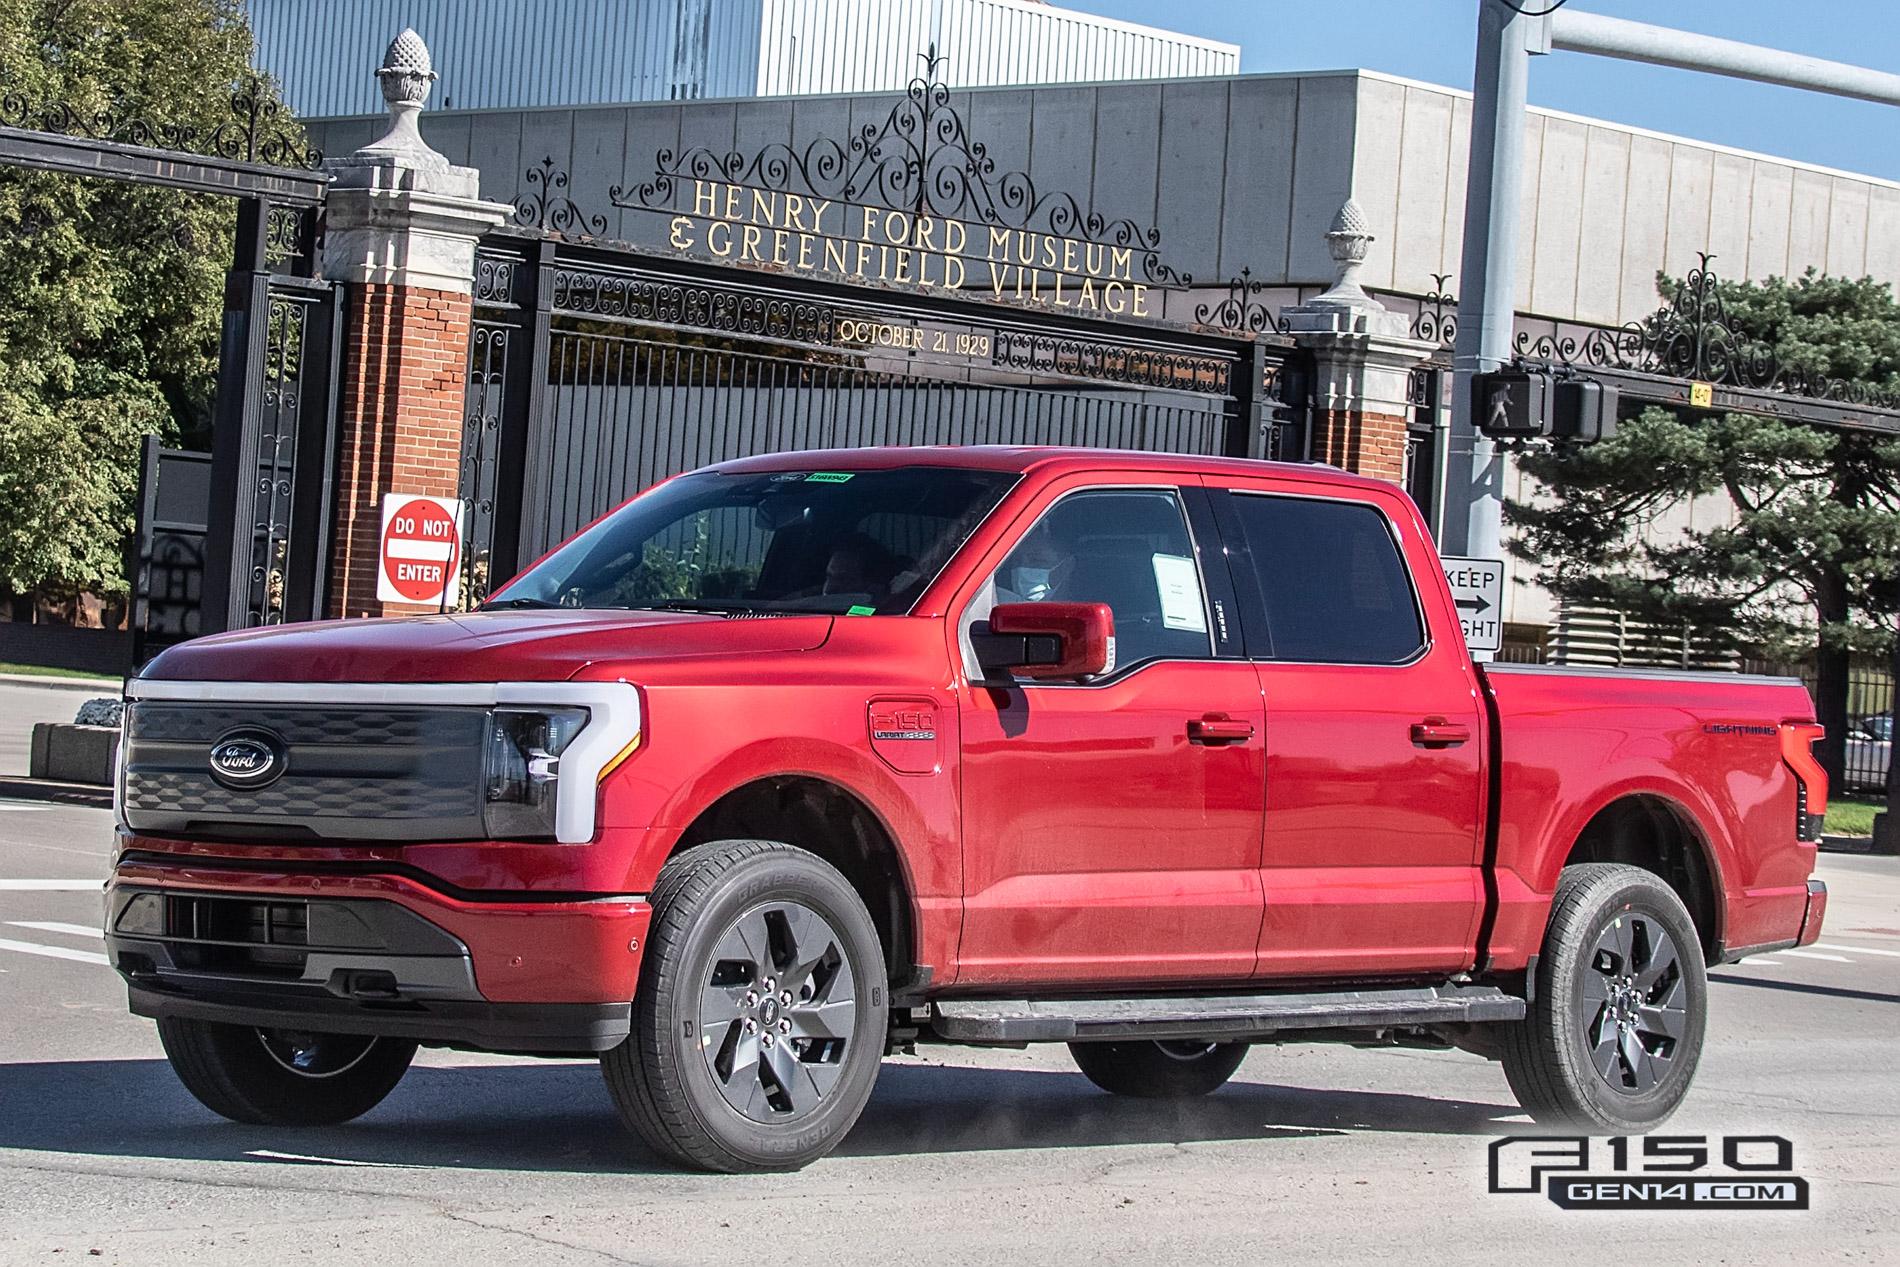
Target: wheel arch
1659, 834
834, 823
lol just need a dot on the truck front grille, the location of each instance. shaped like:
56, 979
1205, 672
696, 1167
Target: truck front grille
409, 773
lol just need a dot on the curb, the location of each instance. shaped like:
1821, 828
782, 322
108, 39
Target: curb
14, 787
104, 686
1854, 844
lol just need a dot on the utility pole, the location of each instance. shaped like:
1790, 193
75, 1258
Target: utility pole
1487, 302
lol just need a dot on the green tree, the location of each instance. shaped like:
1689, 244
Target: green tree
1811, 561
110, 293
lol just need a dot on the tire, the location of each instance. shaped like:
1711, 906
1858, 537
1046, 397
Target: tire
1611, 1042
1151, 1070
720, 1072
274, 1077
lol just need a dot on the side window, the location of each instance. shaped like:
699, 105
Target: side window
1129, 548
1335, 586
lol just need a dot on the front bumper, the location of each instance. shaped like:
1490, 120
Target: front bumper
376, 954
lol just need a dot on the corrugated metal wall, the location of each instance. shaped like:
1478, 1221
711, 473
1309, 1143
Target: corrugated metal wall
830, 46
499, 54
494, 54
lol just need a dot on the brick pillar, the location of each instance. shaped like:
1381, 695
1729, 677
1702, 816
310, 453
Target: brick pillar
1363, 357
405, 356
400, 227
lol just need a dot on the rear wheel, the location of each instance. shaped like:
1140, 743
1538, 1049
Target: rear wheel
281, 1077
1158, 1070
1614, 1034
760, 1020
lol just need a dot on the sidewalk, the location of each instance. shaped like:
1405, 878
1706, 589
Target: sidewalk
25, 700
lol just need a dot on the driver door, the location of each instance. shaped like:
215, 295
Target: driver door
1110, 834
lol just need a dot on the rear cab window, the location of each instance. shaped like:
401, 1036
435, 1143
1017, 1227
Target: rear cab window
1332, 580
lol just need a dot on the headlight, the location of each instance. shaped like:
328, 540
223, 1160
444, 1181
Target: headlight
522, 769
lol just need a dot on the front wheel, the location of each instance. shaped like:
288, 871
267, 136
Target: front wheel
761, 1015
1158, 1070
1613, 1036
281, 1077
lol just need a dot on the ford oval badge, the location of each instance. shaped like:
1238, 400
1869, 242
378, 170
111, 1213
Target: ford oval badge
247, 759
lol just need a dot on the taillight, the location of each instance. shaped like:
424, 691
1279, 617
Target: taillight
1810, 780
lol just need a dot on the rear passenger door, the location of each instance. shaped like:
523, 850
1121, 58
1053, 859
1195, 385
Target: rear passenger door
1374, 734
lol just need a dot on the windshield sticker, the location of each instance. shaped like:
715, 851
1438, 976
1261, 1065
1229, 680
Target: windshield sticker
1180, 586
828, 477
857, 609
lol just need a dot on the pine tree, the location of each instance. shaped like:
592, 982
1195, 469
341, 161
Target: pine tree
1811, 562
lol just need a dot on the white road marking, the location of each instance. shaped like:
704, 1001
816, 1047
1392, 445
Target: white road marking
51, 886
54, 926
54, 952
265, 1154
1809, 954
1763, 960
26, 807
1858, 950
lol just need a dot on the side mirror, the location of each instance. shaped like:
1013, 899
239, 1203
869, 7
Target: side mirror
1049, 640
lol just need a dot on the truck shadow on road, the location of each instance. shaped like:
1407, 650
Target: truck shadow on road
557, 1117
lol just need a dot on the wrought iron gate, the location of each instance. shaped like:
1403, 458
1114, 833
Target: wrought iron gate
596, 372
261, 555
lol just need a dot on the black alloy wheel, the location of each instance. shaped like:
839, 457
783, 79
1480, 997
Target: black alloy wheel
778, 1013
1613, 1031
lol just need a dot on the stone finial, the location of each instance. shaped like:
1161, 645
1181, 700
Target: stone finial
405, 77
1346, 242
406, 72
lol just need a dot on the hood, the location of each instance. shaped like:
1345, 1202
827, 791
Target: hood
502, 646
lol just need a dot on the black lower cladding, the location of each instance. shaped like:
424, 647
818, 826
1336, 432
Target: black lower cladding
347, 966
529, 1028
359, 773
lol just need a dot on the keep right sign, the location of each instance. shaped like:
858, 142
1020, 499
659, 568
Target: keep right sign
1477, 587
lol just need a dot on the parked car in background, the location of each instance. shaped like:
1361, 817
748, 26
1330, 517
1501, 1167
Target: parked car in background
1869, 749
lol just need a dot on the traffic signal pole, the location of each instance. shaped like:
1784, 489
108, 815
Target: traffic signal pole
1508, 34
1487, 303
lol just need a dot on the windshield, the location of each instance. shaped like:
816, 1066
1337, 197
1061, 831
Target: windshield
1879, 727
844, 542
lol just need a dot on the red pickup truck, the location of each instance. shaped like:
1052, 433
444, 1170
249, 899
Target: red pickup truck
798, 760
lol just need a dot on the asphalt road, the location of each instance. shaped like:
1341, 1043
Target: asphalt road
1330, 1154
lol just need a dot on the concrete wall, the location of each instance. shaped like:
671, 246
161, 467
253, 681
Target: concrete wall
1241, 172
1606, 206
1246, 172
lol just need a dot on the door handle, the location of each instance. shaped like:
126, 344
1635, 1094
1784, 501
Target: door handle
1436, 732
1215, 729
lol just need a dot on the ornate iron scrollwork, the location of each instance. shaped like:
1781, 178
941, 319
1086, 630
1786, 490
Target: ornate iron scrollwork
1437, 320
585, 293
1240, 310
1110, 362
1692, 337
259, 129
921, 160
547, 206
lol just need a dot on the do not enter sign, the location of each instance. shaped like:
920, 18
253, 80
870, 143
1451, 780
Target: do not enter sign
422, 543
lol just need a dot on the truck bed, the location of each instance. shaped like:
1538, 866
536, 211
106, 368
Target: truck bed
1702, 750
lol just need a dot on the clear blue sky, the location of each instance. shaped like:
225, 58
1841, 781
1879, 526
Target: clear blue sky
1432, 40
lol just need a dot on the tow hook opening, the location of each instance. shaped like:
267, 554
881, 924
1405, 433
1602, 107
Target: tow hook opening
363, 983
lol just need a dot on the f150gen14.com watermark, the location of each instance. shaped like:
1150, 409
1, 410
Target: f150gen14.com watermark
1655, 1172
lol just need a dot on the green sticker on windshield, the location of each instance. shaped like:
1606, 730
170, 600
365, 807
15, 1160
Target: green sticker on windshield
828, 477
860, 610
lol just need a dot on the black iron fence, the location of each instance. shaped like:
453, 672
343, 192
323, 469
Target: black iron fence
595, 372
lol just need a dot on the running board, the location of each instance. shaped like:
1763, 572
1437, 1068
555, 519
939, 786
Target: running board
1222, 1016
